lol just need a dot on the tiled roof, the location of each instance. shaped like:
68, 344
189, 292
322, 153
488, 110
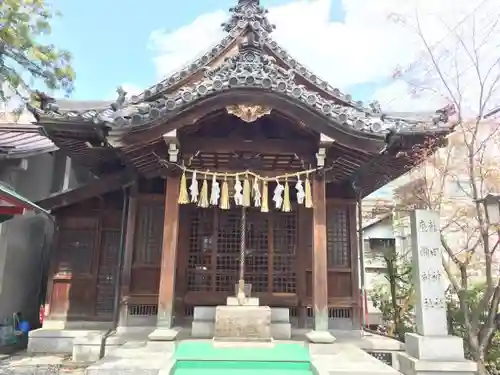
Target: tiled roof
260, 63
19, 138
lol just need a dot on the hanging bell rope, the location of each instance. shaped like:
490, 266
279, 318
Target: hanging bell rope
247, 192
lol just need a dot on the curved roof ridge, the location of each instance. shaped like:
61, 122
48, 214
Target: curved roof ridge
322, 84
251, 68
246, 13
180, 76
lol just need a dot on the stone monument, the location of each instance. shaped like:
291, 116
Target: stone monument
431, 350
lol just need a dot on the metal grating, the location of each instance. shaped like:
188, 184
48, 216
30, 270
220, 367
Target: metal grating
333, 312
382, 356
340, 313
142, 310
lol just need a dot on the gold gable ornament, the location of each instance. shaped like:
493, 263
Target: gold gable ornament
248, 113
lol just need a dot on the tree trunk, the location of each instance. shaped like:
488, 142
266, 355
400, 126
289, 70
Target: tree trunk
391, 272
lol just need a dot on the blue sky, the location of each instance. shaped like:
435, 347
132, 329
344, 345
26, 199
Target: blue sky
109, 39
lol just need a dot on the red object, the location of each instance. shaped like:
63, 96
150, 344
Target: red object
363, 306
11, 210
42, 314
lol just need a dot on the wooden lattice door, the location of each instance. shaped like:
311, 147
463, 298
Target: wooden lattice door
214, 251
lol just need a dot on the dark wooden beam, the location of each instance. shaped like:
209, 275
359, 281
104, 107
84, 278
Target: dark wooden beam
93, 189
267, 146
320, 266
166, 293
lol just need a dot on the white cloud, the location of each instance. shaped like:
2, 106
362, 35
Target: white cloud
366, 47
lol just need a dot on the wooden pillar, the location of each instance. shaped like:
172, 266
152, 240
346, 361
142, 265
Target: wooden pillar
126, 273
357, 319
302, 261
320, 267
166, 293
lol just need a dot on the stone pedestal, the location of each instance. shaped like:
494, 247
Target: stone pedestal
320, 337
242, 323
163, 334
434, 355
89, 348
204, 322
249, 301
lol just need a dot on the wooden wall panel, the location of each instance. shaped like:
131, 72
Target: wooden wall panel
145, 280
342, 267
149, 232
84, 262
145, 273
339, 284
59, 298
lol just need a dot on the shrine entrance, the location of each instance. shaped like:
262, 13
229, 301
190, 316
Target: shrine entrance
213, 255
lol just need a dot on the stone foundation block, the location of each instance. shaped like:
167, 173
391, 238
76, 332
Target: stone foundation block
413, 366
233, 301
55, 341
320, 337
346, 359
281, 331
435, 348
202, 329
243, 323
163, 334
204, 313
280, 315
88, 348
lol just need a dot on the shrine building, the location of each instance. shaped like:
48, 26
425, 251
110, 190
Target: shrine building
242, 132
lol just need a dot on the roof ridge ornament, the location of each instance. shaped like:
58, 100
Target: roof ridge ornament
251, 13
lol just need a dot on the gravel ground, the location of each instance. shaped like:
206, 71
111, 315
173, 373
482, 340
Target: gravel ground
24, 364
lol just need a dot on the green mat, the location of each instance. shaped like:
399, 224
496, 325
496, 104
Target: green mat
203, 358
